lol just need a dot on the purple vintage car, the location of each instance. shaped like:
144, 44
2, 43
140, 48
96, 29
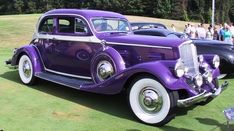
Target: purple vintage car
96, 51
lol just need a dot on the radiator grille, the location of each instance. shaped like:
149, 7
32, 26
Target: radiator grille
188, 53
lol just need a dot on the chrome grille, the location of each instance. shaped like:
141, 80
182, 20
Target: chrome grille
188, 53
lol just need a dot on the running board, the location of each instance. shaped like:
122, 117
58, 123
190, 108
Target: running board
63, 80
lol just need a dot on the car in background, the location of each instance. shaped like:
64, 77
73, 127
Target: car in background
146, 25
204, 46
96, 51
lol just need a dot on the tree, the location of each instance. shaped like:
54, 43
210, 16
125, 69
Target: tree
198, 10
179, 10
19, 6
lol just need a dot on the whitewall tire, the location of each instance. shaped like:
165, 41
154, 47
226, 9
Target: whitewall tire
151, 102
26, 71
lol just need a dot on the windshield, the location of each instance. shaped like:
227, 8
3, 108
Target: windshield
110, 25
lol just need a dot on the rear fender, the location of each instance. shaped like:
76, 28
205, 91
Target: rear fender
33, 55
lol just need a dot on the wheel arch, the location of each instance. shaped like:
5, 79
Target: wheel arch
134, 76
172, 98
160, 71
113, 56
33, 54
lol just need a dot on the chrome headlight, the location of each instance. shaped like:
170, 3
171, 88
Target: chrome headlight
200, 58
180, 68
216, 61
204, 65
208, 76
198, 80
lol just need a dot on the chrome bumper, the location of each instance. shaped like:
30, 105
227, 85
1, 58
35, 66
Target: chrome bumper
202, 96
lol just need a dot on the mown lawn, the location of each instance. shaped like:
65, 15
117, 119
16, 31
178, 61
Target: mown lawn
48, 106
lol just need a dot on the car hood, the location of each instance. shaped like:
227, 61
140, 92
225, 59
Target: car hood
213, 43
141, 40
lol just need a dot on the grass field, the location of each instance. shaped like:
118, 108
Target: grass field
49, 106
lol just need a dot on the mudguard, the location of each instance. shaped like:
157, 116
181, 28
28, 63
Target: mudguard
33, 55
159, 69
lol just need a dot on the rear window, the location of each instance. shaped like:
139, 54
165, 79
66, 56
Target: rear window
46, 26
66, 25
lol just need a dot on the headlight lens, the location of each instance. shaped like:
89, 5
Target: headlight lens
208, 76
198, 80
179, 68
204, 65
200, 58
216, 61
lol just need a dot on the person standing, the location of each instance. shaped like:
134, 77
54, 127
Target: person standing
216, 34
203, 31
187, 29
221, 32
227, 35
173, 28
198, 31
209, 35
232, 30
192, 32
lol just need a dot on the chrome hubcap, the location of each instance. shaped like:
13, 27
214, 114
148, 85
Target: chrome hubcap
104, 70
150, 100
26, 69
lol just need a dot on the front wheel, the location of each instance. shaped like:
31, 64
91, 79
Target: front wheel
26, 71
151, 102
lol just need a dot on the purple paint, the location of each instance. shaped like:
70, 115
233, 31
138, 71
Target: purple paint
75, 54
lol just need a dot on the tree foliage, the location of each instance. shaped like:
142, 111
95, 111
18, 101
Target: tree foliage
199, 10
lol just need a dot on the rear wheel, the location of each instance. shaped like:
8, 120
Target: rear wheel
151, 102
26, 71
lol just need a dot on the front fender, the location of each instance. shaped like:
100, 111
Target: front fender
163, 71
159, 69
33, 55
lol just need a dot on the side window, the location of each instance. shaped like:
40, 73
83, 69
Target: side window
46, 26
80, 26
66, 25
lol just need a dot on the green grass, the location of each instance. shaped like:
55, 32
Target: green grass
48, 106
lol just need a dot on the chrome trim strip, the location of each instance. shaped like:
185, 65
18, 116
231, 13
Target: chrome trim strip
138, 45
91, 39
186, 42
56, 72
65, 74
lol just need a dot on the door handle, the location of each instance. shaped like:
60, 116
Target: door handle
54, 38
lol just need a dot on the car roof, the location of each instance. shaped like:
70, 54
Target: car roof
164, 31
87, 13
147, 23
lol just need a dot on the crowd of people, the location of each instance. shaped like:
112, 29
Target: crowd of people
223, 32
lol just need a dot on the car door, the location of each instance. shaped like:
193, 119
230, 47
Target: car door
72, 47
44, 42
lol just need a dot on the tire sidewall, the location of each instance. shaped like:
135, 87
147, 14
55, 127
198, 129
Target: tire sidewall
159, 118
23, 78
